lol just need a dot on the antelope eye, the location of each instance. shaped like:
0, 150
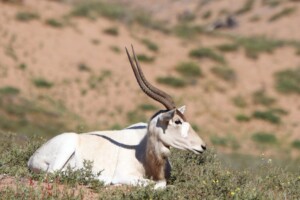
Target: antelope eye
178, 122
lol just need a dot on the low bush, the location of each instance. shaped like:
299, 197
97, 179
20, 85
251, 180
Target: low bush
9, 90
150, 45
171, 81
283, 13
264, 138
114, 31
207, 53
42, 83
26, 16
288, 81
189, 69
268, 115
225, 73
296, 144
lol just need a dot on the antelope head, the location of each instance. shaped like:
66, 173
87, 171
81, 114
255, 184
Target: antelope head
169, 127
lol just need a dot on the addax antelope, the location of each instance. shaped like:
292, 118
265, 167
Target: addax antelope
136, 155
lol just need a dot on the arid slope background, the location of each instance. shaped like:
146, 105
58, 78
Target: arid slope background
63, 67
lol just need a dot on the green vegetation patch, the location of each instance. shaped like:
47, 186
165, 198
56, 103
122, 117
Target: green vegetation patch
239, 101
114, 31
207, 53
228, 47
296, 144
42, 83
145, 58
260, 97
268, 115
187, 31
44, 117
26, 16
246, 7
93, 9
9, 90
288, 81
225, 73
189, 69
54, 23
172, 81
242, 118
283, 13
255, 45
150, 45
147, 107
264, 138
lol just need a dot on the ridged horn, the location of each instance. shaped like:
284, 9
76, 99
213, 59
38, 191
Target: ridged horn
153, 92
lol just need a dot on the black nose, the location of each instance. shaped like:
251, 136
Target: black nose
203, 147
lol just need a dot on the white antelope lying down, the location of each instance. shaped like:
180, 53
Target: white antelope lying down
134, 155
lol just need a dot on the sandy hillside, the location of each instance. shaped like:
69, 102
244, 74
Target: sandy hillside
86, 64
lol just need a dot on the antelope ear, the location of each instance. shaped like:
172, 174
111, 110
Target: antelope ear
167, 116
182, 109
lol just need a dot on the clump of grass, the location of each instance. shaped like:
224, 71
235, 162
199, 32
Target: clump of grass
187, 31
9, 90
207, 14
150, 45
42, 83
115, 49
93, 9
225, 73
136, 116
228, 47
95, 80
83, 67
147, 107
246, 7
114, 31
172, 81
296, 144
255, 18
186, 17
256, 45
282, 13
260, 97
239, 101
22, 66
207, 53
189, 69
242, 118
264, 138
26, 16
54, 23
271, 3
225, 141
145, 58
268, 115
288, 81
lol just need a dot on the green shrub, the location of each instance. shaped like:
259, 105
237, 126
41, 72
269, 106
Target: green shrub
114, 31
296, 144
206, 14
145, 58
42, 83
239, 101
187, 31
26, 16
282, 13
260, 97
246, 7
92, 9
256, 45
189, 69
228, 47
136, 116
115, 49
147, 107
268, 115
225, 73
83, 67
288, 81
9, 90
171, 81
242, 118
22, 66
54, 23
264, 138
207, 53
150, 45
